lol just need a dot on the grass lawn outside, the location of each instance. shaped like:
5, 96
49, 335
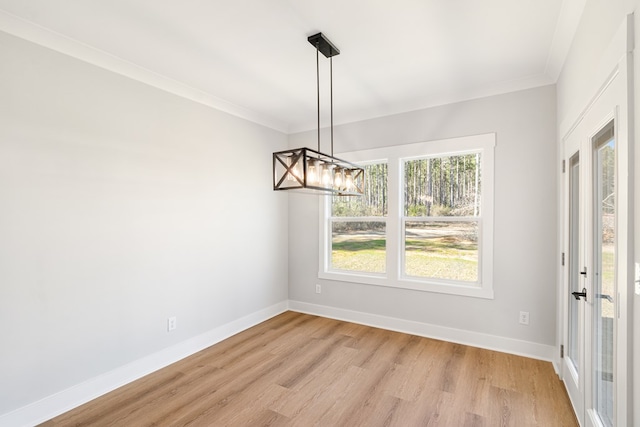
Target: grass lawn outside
445, 252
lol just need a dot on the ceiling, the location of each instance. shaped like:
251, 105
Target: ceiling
251, 58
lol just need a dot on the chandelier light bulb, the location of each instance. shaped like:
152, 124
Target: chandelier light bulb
348, 181
337, 180
326, 176
297, 172
312, 172
290, 176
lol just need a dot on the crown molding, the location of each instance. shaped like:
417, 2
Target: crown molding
45, 37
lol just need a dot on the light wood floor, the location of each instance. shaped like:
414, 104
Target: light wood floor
302, 370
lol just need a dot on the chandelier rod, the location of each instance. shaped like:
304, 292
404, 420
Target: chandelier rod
318, 87
331, 91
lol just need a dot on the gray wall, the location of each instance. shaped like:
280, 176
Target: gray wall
525, 218
122, 205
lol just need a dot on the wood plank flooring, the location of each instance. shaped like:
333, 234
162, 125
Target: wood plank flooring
302, 370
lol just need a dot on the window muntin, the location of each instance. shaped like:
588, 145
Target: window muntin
358, 226
473, 232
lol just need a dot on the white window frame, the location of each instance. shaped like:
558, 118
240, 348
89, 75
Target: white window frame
395, 156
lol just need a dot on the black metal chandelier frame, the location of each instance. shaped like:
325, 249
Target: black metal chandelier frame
307, 170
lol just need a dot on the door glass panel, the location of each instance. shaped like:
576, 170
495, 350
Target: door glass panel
604, 279
574, 258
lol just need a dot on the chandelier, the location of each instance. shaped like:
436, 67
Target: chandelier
312, 171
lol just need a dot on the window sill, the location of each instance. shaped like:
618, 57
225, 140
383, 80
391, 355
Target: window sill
450, 288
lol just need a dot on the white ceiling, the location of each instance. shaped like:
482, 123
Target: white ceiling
251, 57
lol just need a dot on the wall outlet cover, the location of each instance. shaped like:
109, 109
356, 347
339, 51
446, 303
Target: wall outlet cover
171, 323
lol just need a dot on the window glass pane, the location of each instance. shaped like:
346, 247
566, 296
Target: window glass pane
358, 246
374, 200
605, 278
442, 250
442, 186
575, 279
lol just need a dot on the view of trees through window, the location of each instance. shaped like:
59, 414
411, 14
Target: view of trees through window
442, 186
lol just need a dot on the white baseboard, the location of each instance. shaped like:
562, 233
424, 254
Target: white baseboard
474, 339
75, 396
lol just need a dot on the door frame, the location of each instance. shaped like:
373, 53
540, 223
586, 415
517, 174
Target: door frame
617, 63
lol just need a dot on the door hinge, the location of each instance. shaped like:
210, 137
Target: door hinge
562, 352
564, 166
562, 258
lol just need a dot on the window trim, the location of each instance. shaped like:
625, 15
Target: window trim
395, 156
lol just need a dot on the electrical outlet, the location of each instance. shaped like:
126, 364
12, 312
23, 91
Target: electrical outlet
318, 289
171, 324
524, 317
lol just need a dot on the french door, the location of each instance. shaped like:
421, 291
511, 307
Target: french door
595, 218
573, 363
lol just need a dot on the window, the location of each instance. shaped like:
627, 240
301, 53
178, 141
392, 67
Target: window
425, 221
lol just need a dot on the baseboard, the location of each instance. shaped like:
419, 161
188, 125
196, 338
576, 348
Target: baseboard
474, 339
75, 396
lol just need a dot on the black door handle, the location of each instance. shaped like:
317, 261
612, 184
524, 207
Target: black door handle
577, 295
